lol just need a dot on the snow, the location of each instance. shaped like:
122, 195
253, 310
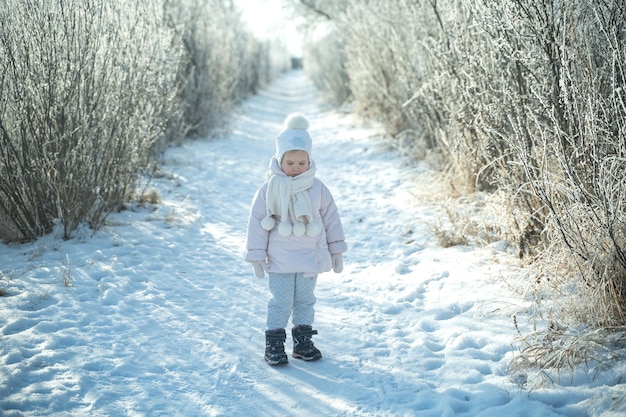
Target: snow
157, 315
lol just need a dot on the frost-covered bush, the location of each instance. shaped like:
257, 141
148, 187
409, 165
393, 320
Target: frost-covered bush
91, 90
324, 64
222, 63
85, 88
523, 96
557, 111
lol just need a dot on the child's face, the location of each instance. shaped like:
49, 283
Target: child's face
295, 163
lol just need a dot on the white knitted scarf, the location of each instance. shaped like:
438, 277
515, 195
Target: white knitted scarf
288, 198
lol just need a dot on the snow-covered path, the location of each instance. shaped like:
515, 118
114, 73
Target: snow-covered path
157, 315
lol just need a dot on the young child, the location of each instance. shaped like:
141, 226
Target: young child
294, 233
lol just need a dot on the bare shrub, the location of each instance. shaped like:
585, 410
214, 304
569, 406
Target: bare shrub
90, 91
85, 91
324, 63
524, 98
209, 69
575, 165
324, 58
222, 63
552, 118
370, 30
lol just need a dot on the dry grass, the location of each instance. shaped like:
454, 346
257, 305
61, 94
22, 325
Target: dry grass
476, 219
544, 356
149, 196
66, 273
5, 280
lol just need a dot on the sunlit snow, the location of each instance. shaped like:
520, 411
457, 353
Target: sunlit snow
158, 315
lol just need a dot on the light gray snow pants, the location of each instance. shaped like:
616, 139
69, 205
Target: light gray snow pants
291, 293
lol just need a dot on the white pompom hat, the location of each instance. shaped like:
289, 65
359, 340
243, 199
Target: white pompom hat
294, 136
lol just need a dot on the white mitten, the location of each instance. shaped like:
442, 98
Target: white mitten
337, 259
260, 268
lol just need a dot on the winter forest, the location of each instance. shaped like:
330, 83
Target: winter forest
519, 102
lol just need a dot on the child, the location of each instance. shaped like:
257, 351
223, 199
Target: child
294, 233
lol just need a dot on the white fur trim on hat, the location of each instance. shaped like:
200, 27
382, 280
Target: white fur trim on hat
294, 136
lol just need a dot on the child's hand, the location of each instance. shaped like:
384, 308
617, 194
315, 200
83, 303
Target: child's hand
259, 269
337, 259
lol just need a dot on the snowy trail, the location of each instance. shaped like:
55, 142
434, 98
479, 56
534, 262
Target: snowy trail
161, 317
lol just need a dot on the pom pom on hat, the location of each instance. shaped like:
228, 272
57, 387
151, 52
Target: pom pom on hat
294, 136
296, 121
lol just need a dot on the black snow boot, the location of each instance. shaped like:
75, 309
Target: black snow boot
275, 347
303, 347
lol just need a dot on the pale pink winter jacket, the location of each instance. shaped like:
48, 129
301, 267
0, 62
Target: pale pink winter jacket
296, 254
